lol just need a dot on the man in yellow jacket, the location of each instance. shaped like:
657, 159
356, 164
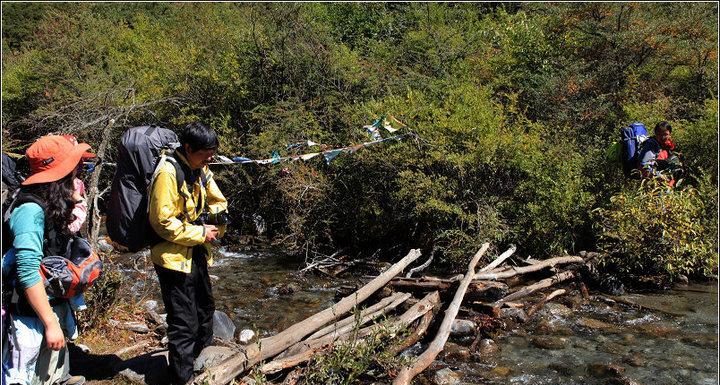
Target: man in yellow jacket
182, 258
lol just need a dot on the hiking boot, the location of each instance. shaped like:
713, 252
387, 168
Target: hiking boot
73, 380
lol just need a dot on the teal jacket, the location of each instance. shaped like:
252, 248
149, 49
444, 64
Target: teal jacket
27, 224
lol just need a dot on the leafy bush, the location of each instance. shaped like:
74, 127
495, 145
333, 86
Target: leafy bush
657, 230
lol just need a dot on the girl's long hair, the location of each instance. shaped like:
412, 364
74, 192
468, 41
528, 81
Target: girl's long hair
57, 197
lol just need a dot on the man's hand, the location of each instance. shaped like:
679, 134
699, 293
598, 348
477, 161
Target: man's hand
211, 233
54, 336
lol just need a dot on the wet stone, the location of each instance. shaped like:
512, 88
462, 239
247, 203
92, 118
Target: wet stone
501, 371
246, 336
563, 369
446, 377
516, 315
552, 343
553, 327
594, 324
601, 370
634, 360
288, 288
456, 352
461, 327
555, 309
487, 347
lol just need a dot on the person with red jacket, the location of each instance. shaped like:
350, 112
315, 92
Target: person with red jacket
657, 157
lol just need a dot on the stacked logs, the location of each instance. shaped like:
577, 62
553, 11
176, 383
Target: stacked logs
320, 332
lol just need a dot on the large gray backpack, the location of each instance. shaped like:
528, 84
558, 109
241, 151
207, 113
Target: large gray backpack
139, 153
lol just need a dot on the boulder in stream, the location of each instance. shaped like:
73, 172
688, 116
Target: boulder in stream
223, 327
453, 351
552, 343
487, 347
514, 314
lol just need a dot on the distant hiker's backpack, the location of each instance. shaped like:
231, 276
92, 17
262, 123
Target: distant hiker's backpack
138, 156
69, 265
631, 138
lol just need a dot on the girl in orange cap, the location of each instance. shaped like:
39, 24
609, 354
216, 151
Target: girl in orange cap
38, 224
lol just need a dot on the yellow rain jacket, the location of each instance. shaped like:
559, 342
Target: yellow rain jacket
174, 223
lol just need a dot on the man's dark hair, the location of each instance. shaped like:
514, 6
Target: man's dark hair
663, 126
199, 137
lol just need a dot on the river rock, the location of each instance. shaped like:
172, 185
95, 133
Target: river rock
446, 377
462, 327
223, 327
594, 324
634, 360
500, 371
246, 336
514, 314
487, 347
552, 343
601, 370
288, 288
562, 368
553, 327
133, 326
453, 351
555, 309
211, 356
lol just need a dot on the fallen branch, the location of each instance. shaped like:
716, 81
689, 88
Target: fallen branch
499, 259
416, 334
436, 346
421, 267
528, 269
478, 290
386, 304
422, 307
268, 347
527, 290
543, 301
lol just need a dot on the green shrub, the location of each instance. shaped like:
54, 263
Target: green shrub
103, 295
654, 229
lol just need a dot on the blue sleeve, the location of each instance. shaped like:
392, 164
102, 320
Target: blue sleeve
27, 224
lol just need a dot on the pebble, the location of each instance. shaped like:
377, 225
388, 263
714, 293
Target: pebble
487, 347
453, 351
549, 342
604, 370
446, 377
502, 371
246, 336
517, 315
462, 327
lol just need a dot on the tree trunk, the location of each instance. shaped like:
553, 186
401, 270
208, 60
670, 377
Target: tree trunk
268, 347
527, 269
436, 346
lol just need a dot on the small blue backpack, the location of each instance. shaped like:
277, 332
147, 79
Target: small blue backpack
631, 138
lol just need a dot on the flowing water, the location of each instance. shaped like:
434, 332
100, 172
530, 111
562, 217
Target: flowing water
672, 339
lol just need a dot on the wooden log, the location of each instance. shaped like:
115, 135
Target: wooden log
527, 269
527, 290
425, 305
348, 327
416, 334
436, 346
384, 303
499, 259
477, 291
268, 347
543, 301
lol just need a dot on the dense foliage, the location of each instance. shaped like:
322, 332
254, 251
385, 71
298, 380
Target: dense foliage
514, 105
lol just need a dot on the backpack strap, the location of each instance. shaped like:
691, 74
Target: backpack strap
180, 178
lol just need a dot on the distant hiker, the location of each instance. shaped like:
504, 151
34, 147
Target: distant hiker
657, 157
37, 227
188, 213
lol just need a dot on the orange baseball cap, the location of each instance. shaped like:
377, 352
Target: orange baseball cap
52, 157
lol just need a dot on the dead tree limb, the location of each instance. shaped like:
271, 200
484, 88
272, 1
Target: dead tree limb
422, 307
436, 346
543, 301
499, 259
421, 267
527, 290
527, 269
92, 227
268, 347
416, 334
386, 304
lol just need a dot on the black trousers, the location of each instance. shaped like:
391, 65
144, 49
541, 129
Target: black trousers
190, 305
